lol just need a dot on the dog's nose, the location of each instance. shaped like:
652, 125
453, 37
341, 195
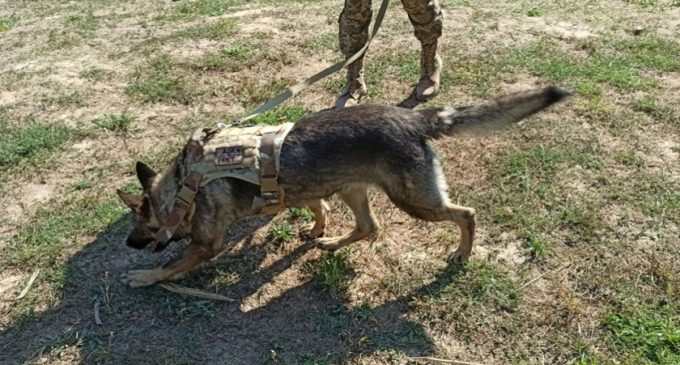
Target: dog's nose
136, 243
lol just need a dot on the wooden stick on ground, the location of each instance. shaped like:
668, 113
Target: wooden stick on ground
442, 361
29, 284
544, 274
195, 292
97, 319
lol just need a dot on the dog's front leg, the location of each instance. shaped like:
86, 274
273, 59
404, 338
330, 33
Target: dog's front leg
317, 228
193, 255
207, 241
357, 199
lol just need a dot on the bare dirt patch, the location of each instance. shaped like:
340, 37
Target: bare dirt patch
30, 195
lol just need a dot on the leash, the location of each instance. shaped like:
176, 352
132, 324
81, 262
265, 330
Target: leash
299, 87
270, 190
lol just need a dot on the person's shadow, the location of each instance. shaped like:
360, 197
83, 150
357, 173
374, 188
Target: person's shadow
303, 325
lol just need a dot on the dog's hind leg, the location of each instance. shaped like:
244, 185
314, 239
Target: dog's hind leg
320, 209
356, 198
464, 217
423, 193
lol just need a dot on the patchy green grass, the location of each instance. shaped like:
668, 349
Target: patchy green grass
549, 62
646, 335
194, 8
77, 27
529, 168
536, 246
656, 110
533, 170
82, 185
74, 98
280, 115
582, 220
43, 242
160, 82
404, 66
254, 93
230, 59
526, 181
29, 141
94, 74
490, 285
221, 29
629, 159
658, 196
117, 123
59, 39
7, 23
619, 63
282, 232
302, 214
331, 272
324, 41
85, 24
238, 51
643, 3
651, 53
480, 74
479, 289
535, 12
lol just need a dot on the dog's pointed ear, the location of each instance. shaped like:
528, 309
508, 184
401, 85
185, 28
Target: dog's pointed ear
145, 174
133, 201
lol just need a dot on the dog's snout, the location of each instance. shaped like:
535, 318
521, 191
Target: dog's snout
137, 242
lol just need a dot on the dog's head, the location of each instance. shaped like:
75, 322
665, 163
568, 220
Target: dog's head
146, 209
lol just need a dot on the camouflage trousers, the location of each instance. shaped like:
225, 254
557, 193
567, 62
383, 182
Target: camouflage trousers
425, 16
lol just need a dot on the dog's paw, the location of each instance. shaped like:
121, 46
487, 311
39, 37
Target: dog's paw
139, 278
312, 231
330, 243
459, 257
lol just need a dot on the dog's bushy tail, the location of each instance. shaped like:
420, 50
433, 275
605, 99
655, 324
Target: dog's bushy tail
487, 117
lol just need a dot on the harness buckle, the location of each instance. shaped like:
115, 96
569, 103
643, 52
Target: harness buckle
270, 197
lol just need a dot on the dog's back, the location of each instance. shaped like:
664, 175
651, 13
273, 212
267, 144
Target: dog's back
375, 145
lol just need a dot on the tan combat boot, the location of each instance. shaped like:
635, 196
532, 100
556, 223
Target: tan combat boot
430, 75
430, 69
355, 88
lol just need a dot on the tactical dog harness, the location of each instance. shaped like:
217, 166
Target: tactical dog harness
250, 154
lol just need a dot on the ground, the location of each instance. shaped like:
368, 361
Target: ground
577, 257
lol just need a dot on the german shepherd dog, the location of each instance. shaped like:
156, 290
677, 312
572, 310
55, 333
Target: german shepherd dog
330, 152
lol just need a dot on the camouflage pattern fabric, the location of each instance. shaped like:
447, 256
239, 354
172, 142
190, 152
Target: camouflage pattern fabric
355, 18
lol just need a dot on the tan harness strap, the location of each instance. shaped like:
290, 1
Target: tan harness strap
269, 180
270, 201
184, 200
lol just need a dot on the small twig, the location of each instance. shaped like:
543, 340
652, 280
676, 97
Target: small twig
195, 292
29, 284
443, 361
97, 319
544, 274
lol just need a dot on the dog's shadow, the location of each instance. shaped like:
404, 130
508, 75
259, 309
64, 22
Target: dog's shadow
302, 325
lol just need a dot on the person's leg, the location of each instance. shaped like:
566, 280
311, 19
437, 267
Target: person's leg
354, 21
426, 18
